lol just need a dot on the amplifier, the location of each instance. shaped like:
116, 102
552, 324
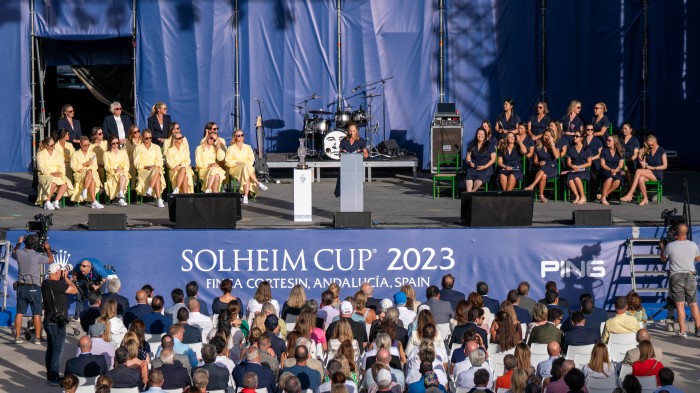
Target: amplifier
444, 140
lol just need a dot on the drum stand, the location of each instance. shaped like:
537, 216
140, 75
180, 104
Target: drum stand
369, 130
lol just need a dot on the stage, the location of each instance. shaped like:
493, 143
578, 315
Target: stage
393, 197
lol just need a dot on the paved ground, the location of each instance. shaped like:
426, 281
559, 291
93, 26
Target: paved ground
394, 199
22, 366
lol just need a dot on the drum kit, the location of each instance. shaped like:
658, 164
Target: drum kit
324, 130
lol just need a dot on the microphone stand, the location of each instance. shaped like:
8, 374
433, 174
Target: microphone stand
260, 139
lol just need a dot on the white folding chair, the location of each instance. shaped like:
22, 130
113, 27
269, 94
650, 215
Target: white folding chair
580, 354
86, 385
620, 344
648, 383
290, 326
538, 354
196, 347
523, 330
444, 329
601, 385
461, 390
259, 390
625, 370
602, 327
502, 390
454, 347
124, 390
493, 349
496, 361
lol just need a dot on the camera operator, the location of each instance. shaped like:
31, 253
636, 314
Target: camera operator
682, 254
29, 263
89, 275
54, 291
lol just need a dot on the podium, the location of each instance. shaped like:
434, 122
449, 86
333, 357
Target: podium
303, 178
352, 177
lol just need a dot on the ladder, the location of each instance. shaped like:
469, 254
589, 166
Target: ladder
5, 251
643, 265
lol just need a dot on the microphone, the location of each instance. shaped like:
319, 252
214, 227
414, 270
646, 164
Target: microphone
314, 96
260, 101
357, 88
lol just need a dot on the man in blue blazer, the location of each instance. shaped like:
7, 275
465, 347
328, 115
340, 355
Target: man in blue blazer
86, 364
117, 123
157, 323
521, 313
448, 294
266, 379
492, 304
578, 335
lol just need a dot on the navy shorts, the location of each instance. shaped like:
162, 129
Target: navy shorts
28, 295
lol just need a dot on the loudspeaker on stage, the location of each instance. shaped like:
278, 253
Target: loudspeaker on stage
107, 222
497, 208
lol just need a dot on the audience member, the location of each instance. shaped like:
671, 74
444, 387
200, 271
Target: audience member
551, 298
526, 301
632, 355
504, 381
442, 310
309, 378
192, 290
176, 376
90, 314
155, 380
666, 377
475, 317
123, 376
166, 342
138, 310
371, 302
384, 360
266, 378
630, 384
155, 321
200, 380
99, 345
177, 332
193, 334
575, 380
559, 385
544, 369
578, 335
522, 313
600, 365
549, 331
647, 364
86, 364
465, 379
448, 294
218, 376
113, 287
621, 322
178, 298
69, 383
222, 353
482, 289
359, 331
562, 303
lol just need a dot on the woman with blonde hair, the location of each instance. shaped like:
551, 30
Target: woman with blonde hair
85, 175
239, 161
342, 332
560, 141
117, 328
306, 325
116, 162
148, 161
159, 122
212, 128
169, 142
612, 162
424, 318
70, 123
518, 381
522, 358
179, 165
411, 302
510, 160
347, 350
539, 317
599, 366
132, 348
291, 308
546, 156
361, 308
539, 121
98, 145
477, 301
262, 294
652, 163
572, 120
52, 175
208, 155
600, 122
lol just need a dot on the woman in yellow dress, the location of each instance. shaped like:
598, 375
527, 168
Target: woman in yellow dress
117, 170
61, 138
52, 175
133, 140
213, 128
239, 161
169, 142
98, 145
87, 181
148, 160
207, 157
179, 165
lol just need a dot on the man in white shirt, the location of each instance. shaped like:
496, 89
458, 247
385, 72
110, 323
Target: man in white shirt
198, 319
465, 379
405, 315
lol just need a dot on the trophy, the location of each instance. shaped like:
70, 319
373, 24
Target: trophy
301, 152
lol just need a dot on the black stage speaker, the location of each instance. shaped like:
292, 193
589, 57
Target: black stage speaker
352, 220
205, 211
389, 147
497, 208
593, 218
444, 140
107, 222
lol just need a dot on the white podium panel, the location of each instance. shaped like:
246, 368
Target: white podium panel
352, 176
303, 178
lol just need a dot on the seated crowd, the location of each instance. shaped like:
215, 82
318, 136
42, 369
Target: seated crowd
118, 157
359, 343
586, 156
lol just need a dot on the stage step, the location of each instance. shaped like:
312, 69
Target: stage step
651, 290
650, 273
646, 256
645, 240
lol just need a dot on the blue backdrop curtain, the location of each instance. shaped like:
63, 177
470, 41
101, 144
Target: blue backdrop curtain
288, 50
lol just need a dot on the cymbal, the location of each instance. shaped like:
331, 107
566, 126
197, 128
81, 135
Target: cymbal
320, 112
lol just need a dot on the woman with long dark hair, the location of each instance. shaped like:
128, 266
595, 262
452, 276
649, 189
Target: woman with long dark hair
631, 145
546, 155
577, 161
507, 120
612, 160
510, 161
481, 156
116, 162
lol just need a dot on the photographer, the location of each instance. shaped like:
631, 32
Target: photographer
89, 275
29, 263
54, 291
682, 254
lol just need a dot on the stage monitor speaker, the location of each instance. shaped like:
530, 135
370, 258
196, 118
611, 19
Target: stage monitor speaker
107, 222
389, 147
352, 220
593, 218
205, 211
444, 140
497, 209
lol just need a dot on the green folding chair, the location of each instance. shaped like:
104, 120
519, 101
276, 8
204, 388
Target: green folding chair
447, 172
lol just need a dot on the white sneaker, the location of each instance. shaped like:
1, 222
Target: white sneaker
97, 205
176, 191
149, 192
84, 194
160, 203
120, 195
245, 200
262, 186
56, 204
122, 202
207, 191
49, 206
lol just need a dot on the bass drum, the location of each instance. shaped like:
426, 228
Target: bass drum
331, 144
360, 118
342, 118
